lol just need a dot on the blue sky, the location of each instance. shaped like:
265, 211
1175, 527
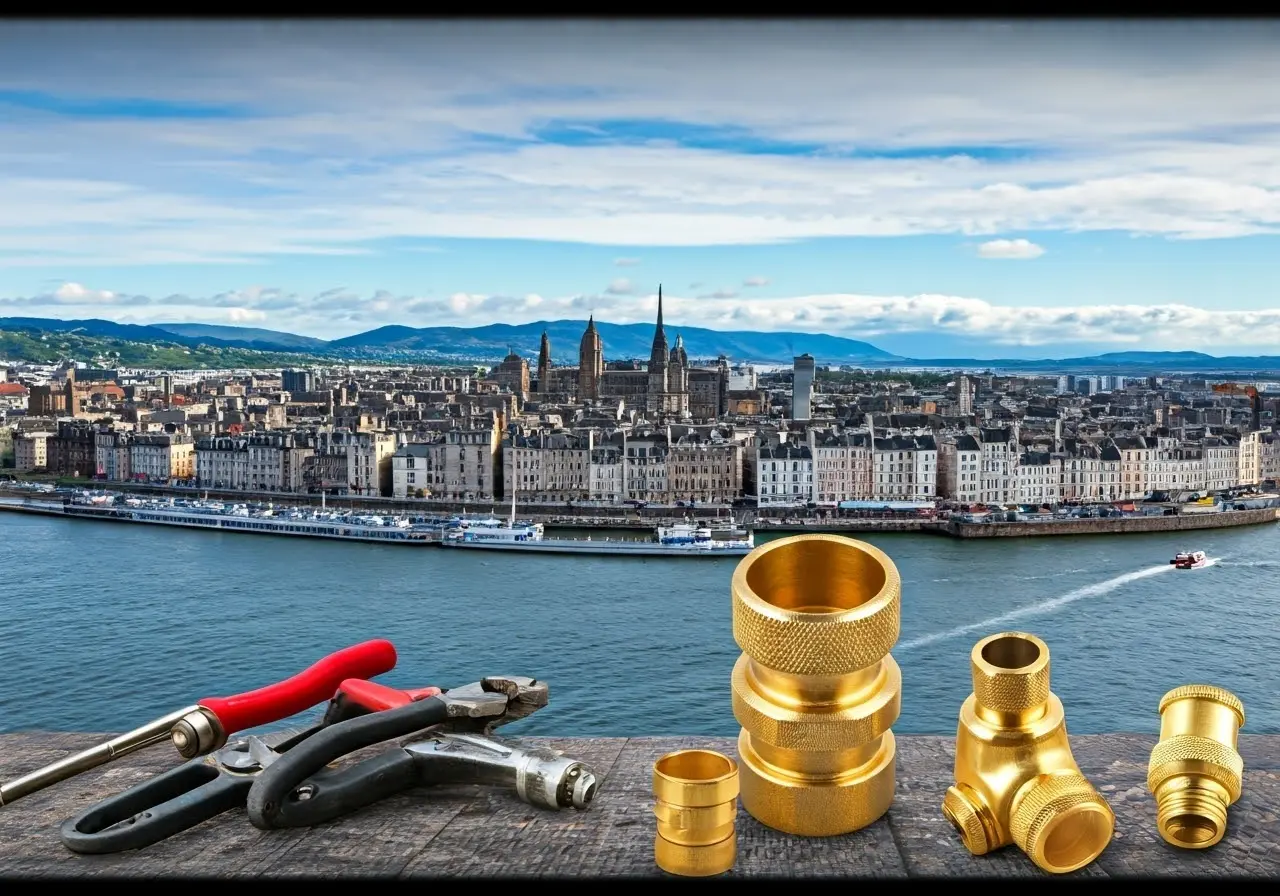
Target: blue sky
935, 188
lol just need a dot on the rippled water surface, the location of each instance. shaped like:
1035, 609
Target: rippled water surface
106, 626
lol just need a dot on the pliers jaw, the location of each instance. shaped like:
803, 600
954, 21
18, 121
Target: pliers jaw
497, 700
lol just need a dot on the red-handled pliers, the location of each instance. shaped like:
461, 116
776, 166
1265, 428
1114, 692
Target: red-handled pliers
205, 726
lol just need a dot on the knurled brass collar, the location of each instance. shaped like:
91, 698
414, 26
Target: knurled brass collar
1204, 692
816, 605
1010, 672
1062, 823
965, 818
1202, 755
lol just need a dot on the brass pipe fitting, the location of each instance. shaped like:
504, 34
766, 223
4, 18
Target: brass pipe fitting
1016, 780
815, 689
696, 803
1195, 770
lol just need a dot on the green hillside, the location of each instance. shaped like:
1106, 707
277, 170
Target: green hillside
51, 348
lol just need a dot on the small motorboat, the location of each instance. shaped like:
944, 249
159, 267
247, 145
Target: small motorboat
1189, 560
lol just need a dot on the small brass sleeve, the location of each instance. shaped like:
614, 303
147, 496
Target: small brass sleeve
1195, 772
1016, 780
696, 804
815, 689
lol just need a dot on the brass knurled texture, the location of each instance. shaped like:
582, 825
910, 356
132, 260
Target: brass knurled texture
1213, 760
817, 731
1047, 800
1007, 692
819, 643
1204, 692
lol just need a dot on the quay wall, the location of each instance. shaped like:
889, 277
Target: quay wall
1115, 526
487, 833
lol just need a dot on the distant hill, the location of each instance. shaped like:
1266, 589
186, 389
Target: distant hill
246, 337
621, 341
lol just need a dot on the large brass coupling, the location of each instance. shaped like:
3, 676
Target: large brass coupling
815, 689
1195, 770
1016, 780
696, 803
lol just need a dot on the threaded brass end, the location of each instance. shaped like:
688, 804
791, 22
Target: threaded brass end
967, 819
1062, 823
696, 804
816, 690
1195, 772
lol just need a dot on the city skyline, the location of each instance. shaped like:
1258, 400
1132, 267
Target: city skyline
886, 182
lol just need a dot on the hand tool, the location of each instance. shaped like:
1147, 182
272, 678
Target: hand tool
205, 726
297, 790
208, 786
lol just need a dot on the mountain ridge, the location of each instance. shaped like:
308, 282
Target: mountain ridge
491, 342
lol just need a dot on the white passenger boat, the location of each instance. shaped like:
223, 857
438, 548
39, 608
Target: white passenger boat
1189, 560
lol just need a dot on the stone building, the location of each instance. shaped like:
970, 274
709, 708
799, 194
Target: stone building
71, 451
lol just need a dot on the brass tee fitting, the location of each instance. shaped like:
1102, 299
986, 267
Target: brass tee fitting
1195, 770
1016, 780
815, 689
696, 803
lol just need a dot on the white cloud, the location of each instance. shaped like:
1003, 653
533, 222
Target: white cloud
620, 287
756, 281
338, 312
626, 262
437, 129
720, 294
1010, 249
75, 294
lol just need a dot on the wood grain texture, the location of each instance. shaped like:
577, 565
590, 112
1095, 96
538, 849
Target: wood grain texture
468, 831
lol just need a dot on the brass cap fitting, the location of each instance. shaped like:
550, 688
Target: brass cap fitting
696, 803
1195, 771
1016, 780
815, 689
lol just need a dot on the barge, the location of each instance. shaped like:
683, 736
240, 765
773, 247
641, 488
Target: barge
679, 540
250, 519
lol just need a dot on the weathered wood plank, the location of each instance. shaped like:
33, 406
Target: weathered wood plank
469, 831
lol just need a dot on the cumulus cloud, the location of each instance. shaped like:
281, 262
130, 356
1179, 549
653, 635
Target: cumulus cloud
434, 130
756, 281
341, 312
1010, 249
626, 262
620, 287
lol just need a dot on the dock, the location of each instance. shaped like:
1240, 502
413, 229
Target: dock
467, 831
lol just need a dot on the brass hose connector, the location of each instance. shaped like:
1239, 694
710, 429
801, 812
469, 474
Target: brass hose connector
1195, 771
1016, 780
696, 802
815, 689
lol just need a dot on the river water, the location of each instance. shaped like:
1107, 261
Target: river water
106, 626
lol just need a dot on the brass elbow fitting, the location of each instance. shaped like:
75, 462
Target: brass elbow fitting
696, 803
1016, 780
815, 689
1195, 770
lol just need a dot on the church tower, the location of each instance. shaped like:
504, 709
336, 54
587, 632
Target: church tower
72, 400
590, 362
657, 393
544, 365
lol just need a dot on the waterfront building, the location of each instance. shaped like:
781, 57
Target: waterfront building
369, 463
162, 457
71, 450
30, 451
413, 473
842, 469
547, 467
112, 455
703, 465
906, 468
997, 480
644, 456
608, 473
784, 474
960, 468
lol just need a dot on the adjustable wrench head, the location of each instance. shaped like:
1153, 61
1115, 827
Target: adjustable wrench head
484, 705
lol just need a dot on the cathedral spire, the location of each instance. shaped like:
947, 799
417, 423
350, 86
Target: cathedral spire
659, 353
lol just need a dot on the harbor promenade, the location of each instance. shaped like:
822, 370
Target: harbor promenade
478, 832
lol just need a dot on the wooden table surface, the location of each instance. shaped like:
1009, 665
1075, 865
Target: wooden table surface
475, 831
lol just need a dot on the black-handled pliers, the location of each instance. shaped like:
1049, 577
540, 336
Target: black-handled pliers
207, 786
297, 790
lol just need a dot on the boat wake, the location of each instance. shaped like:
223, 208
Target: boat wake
996, 623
